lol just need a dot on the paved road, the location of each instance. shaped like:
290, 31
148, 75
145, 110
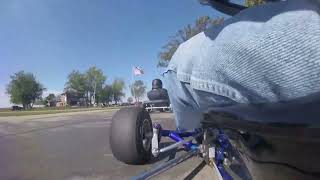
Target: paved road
73, 147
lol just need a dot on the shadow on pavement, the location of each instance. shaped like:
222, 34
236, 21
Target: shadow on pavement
195, 171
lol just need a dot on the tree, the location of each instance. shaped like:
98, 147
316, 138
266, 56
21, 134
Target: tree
50, 100
77, 82
88, 85
24, 89
130, 100
201, 24
105, 96
117, 90
138, 89
51, 97
95, 80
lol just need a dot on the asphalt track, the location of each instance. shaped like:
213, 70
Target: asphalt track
75, 146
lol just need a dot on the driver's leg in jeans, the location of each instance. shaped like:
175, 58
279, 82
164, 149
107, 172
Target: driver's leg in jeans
189, 104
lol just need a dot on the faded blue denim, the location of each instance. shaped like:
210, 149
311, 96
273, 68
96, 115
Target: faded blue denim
268, 53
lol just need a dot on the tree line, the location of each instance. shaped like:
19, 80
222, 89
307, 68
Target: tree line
90, 87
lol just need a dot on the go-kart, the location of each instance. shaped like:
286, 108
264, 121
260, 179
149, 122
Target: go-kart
158, 98
157, 105
245, 141
266, 141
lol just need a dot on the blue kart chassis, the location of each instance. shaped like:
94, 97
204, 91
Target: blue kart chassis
192, 149
266, 141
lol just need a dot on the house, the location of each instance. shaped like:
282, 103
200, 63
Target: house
61, 100
70, 98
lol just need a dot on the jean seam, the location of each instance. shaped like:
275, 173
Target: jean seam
218, 89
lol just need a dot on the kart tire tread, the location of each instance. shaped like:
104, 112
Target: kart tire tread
126, 139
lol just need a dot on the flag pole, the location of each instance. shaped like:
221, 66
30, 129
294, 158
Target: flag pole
132, 89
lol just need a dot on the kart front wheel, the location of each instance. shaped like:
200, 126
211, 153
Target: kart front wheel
131, 135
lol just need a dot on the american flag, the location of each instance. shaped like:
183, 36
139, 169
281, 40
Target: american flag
137, 71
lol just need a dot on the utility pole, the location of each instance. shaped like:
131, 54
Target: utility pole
94, 90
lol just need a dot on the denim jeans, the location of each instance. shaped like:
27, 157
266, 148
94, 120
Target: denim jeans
188, 104
265, 54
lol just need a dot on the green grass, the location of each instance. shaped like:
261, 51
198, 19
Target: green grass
53, 110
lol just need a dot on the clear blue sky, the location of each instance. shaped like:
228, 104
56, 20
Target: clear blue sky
50, 38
